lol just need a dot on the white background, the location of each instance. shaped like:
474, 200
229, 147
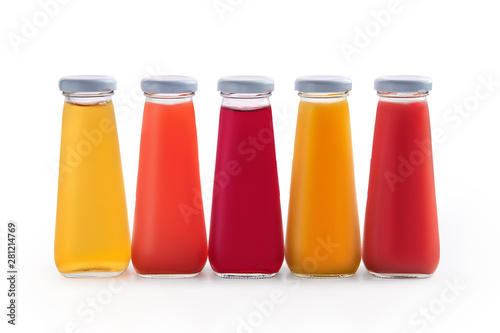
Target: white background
454, 42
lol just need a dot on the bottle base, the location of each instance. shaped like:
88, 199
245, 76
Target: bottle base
168, 276
92, 274
400, 275
323, 276
245, 275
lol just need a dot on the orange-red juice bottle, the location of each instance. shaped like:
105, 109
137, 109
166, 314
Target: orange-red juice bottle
169, 238
323, 237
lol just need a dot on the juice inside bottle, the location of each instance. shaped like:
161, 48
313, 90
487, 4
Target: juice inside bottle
92, 236
323, 230
169, 237
401, 237
246, 232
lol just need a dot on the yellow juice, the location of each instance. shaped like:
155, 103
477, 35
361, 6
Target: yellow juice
92, 236
323, 229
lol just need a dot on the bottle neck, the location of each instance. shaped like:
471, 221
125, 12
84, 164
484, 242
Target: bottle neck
323, 97
88, 98
169, 99
245, 102
398, 97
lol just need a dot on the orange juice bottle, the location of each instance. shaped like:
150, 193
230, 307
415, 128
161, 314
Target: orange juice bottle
322, 238
92, 236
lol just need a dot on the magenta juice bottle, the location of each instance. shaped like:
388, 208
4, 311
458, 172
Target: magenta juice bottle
246, 232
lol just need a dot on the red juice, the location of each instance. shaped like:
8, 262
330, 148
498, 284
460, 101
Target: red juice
401, 230
246, 233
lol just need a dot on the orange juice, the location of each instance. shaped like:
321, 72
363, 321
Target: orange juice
323, 230
92, 236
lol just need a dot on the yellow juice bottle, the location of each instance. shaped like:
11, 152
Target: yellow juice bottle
92, 236
323, 238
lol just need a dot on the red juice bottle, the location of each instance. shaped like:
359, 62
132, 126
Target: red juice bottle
246, 232
169, 238
401, 237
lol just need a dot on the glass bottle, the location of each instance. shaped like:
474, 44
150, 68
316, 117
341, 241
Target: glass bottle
246, 232
323, 237
169, 238
401, 237
92, 237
